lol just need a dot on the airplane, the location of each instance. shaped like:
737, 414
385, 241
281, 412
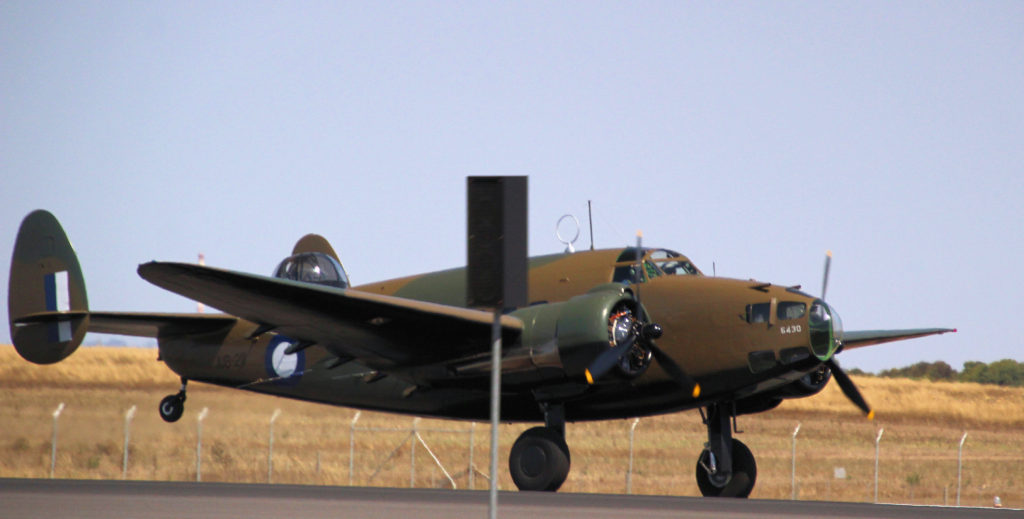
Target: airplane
608, 334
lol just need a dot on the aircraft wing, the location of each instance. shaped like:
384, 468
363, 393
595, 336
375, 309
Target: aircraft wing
382, 331
858, 339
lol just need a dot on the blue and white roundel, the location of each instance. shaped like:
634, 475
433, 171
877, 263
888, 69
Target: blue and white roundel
281, 365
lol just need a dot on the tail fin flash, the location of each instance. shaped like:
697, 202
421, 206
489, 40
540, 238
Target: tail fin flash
47, 305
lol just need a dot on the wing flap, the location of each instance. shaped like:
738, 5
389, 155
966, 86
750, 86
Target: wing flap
858, 339
384, 330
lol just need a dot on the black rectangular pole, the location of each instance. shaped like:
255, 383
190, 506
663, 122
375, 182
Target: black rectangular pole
496, 274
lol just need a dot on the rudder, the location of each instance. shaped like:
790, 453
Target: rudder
47, 306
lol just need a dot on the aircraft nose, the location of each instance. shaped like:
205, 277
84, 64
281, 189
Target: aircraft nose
826, 330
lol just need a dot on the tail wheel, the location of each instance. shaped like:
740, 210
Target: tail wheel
539, 460
172, 407
744, 474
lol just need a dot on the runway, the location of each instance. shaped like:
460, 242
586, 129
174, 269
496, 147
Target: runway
86, 499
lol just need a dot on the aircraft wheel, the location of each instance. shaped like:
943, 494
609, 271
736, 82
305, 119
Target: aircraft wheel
539, 460
172, 407
744, 474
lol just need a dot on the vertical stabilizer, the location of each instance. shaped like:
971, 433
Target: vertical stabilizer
47, 306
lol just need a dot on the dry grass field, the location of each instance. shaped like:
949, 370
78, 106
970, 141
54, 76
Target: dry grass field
918, 464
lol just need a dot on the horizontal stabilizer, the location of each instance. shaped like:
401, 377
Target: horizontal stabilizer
156, 324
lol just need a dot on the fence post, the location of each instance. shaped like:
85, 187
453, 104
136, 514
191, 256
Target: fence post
270, 447
127, 437
53, 441
792, 477
877, 440
352, 446
199, 443
629, 473
959, 466
412, 452
472, 429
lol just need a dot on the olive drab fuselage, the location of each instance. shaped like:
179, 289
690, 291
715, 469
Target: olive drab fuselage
707, 330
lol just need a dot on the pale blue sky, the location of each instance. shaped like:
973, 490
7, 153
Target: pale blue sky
752, 135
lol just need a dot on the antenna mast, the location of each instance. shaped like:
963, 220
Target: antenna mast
202, 262
590, 218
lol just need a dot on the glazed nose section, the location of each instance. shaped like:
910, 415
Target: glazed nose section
826, 330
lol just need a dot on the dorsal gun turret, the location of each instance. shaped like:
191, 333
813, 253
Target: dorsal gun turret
313, 260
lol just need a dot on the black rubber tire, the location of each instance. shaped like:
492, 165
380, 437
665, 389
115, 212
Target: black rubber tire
539, 460
744, 474
171, 408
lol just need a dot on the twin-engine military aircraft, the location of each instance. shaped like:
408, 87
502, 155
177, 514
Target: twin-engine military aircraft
614, 333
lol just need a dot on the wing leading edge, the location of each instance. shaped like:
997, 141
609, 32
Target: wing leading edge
382, 331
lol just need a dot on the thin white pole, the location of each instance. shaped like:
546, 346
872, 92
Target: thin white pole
877, 440
495, 409
53, 441
629, 473
412, 453
270, 447
959, 466
199, 443
127, 437
352, 446
472, 430
792, 477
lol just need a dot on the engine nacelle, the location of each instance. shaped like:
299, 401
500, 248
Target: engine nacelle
582, 327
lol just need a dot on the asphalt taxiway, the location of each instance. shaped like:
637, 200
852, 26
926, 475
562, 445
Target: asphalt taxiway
86, 499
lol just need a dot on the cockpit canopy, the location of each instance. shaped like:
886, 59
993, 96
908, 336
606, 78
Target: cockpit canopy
313, 267
657, 262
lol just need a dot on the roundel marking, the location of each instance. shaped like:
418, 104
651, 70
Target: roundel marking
287, 368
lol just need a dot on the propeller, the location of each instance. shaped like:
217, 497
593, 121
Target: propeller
646, 332
849, 388
608, 358
844, 381
824, 282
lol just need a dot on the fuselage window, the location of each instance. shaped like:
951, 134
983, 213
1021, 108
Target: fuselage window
758, 313
791, 310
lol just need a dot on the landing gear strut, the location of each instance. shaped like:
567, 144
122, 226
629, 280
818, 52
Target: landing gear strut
172, 406
726, 468
539, 459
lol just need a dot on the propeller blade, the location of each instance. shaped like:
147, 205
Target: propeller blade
824, 281
607, 359
849, 389
675, 371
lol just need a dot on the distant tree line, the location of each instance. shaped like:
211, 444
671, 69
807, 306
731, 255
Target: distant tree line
1006, 372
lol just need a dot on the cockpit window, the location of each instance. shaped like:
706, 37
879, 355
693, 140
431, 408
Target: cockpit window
313, 267
673, 263
625, 270
657, 262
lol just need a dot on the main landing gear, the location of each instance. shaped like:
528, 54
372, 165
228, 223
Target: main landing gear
172, 406
726, 468
539, 459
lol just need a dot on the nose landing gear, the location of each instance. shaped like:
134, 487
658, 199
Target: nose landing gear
172, 406
726, 468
